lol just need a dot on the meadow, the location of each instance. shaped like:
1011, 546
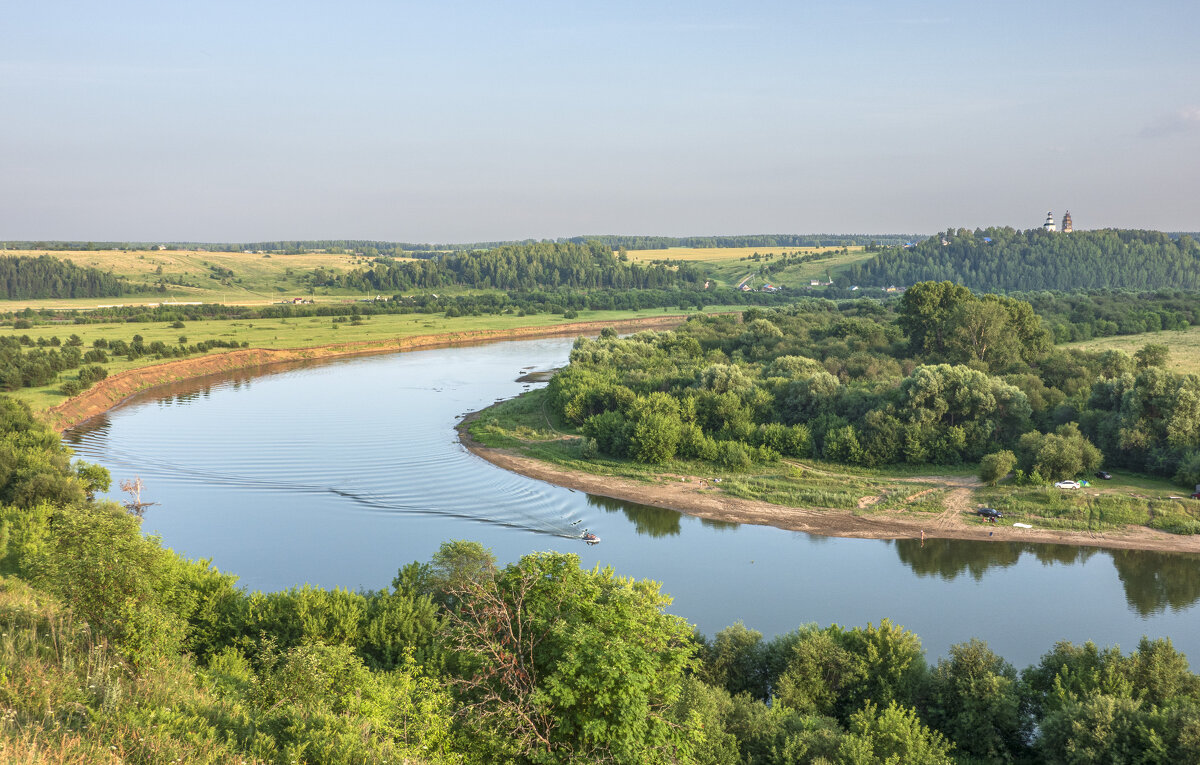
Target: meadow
731, 266
1183, 344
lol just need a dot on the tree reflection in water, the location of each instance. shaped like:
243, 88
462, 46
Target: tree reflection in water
1153, 581
651, 521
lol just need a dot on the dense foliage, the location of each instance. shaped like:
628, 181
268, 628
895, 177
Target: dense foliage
947, 378
1004, 259
26, 277
534, 266
116, 649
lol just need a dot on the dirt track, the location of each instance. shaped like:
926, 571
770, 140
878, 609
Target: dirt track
113, 390
691, 497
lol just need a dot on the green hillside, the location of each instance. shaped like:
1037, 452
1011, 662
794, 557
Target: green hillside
1004, 259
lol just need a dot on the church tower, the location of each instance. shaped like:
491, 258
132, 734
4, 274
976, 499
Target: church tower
1067, 228
1049, 224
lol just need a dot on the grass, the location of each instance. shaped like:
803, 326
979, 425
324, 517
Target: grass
305, 332
66, 698
1109, 507
1184, 346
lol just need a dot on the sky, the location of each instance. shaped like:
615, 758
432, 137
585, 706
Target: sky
460, 121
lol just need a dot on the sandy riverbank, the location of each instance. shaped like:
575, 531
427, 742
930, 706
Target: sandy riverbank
113, 390
688, 495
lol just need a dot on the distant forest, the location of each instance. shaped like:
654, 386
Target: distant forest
372, 248
535, 266
45, 276
1004, 259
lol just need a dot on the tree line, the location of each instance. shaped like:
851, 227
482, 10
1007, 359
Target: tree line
26, 277
617, 242
534, 266
1005, 259
114, 644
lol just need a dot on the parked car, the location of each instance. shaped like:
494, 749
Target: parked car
1067, 485
1196, 495
989, 512
1103, 474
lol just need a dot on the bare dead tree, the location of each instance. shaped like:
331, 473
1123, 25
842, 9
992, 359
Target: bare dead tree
490, 626
135, 504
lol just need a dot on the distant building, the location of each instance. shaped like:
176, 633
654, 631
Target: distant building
1049, 224
1067, 227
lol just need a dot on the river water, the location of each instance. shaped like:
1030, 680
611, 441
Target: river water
338, 473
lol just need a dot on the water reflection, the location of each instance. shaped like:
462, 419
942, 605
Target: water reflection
1153, 582
647, 520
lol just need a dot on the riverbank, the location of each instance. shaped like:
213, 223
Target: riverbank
697, 496
118, 387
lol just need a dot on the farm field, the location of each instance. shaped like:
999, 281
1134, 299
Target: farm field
1184, 346
256, 277
731, 266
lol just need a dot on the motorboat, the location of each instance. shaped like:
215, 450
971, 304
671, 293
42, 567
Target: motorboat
589, 537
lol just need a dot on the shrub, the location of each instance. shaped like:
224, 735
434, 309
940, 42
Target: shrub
995, 466
733, 454
92, 374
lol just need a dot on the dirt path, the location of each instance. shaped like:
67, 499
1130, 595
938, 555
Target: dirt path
694, 496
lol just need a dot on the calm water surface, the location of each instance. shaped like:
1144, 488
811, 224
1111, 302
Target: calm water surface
337, 474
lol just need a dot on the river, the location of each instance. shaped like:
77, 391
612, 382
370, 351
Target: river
338, 473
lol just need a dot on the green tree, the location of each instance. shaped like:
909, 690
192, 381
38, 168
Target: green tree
1152, 355
974, 700
1065, 453
924, 312
567, 664
993, 467
893, 736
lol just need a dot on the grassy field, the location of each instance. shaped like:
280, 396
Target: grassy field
1184, 345
291, 333
731, 266
257, 277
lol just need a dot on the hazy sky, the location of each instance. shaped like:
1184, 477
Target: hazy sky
464, 121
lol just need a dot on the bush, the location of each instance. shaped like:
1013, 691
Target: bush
92, 374
1065, 453
71, 388
995, 466
734, 454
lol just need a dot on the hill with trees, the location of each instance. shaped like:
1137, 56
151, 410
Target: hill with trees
1005, 260
544, 265
25, 277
